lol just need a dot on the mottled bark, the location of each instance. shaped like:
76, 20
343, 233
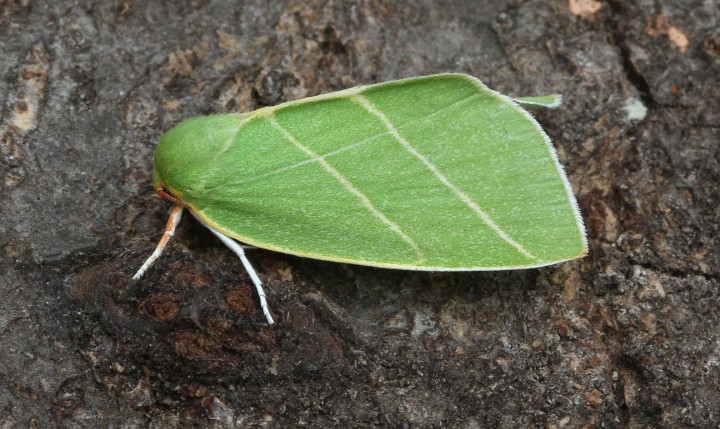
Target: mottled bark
626, 337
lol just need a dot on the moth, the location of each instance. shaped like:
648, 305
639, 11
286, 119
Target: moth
434, 173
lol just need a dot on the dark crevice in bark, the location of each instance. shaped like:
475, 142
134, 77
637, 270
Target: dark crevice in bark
618, 34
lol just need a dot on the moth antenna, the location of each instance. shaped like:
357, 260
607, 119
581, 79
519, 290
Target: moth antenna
172, 222
238, 250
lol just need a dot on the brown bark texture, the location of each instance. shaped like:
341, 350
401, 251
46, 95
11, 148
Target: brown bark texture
628, 336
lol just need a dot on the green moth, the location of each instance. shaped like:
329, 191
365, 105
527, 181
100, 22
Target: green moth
436, 173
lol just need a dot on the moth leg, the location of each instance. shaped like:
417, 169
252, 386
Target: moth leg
238, 250
172, 222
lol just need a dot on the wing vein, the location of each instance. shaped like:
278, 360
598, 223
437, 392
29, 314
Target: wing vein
303, 162
334, 152
365, 103
349, 187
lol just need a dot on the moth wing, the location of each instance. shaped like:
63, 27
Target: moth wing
429, 173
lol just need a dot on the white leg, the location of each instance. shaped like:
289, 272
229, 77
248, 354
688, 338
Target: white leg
173, 219
238, 250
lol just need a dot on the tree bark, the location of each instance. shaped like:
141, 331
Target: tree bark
626, 337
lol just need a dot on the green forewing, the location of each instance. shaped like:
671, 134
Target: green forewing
436, 172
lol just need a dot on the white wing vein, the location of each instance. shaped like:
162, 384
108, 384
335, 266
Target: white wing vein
349, 186
364, 102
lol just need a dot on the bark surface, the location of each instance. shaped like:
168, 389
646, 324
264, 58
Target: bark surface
627, 337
